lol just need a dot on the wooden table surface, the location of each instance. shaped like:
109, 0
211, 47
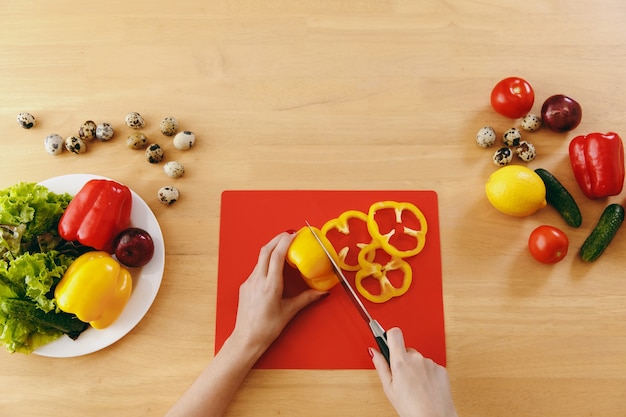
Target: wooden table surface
328, 94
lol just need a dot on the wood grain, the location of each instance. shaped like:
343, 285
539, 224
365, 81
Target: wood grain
321, 94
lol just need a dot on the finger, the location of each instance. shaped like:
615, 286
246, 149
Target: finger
277, 260
265, 254
395, 340
294, 304
382, 367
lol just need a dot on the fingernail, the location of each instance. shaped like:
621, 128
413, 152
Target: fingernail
291, 231
370, 351
324, 295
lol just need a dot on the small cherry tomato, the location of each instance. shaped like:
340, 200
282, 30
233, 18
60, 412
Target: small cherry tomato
547, 244
512, 97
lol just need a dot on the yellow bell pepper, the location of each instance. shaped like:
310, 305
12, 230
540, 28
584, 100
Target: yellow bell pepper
95, 288
307, 256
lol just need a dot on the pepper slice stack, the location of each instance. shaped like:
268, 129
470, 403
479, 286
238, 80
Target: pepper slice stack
408, 226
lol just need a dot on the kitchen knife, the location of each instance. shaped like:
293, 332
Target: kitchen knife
377, 330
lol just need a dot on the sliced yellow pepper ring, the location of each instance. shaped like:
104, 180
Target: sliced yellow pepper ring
381, 273
342, 225
417, 233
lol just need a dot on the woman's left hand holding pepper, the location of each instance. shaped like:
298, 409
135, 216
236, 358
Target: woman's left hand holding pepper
262, 314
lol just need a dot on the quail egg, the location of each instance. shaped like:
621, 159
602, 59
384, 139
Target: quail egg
54, 144
154, 153
531, 122
184, 140
26, 120
137, 140
486, 137
502, 157
104, 131
512, 137
168, 195
174, 169
169, 126
75, 144
87, 130
134, 120
526, 151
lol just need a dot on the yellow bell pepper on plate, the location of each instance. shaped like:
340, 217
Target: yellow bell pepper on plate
95, 288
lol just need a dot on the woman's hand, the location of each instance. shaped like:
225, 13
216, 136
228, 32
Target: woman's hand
262, 312
415, 386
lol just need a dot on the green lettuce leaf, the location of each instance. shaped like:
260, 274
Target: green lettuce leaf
33, 259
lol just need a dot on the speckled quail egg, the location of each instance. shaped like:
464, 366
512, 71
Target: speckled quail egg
134, 120
75, 144
531, 122
502, 157
184, 140
26, 120
512, 137
174, 169
104, 131
169, 126
486, 137
87, 130
154, 153
526, 151
137, 140
54, 144
168, 195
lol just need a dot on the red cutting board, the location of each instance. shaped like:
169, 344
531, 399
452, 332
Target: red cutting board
329, 334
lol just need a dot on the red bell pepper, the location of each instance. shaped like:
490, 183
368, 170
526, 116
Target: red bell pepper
598, 163
97, 214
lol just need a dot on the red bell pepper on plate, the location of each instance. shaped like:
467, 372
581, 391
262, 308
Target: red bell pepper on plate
598, 163
97, 214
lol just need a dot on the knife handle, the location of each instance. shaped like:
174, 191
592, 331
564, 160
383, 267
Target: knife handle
381, 341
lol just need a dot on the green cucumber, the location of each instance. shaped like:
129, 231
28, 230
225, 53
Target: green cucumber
610, 221
559, 198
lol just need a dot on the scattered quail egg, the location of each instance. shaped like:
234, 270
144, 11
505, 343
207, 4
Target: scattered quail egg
54, 144
526, 151
136, 140
169, 126
104, 131
134, 120
26, 120
184, 140
168, 195
486, 137
531, 122
75, 144
502, 157
512, 137
87, 130
154, 153
174, 169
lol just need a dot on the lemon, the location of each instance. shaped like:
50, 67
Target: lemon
516, 190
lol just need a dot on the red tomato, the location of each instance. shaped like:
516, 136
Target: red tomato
548, 245
512, 97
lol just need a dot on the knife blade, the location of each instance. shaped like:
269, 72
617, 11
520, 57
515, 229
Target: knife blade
380, 335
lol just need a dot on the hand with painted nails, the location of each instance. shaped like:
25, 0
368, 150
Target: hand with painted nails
416, 386
262, 314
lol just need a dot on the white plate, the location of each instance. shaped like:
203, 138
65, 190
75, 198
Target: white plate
146, 281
